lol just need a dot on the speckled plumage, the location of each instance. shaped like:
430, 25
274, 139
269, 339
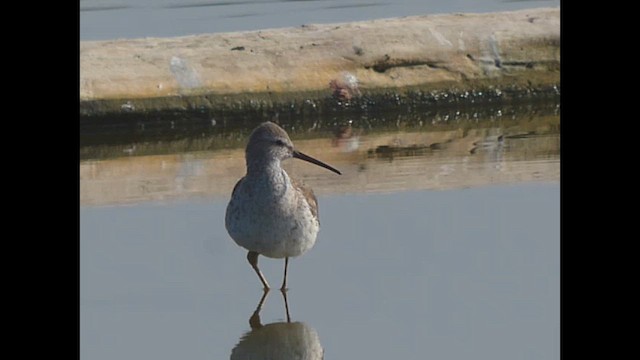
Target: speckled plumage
273, 215
269, 213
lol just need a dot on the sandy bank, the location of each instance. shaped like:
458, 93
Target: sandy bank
511, 52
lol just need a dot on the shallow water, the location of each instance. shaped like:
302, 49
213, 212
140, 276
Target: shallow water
112, 19
467, 273
437, 242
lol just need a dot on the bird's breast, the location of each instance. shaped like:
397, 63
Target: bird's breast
271, 218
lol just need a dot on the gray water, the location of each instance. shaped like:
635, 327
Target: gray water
449, 253
449, 274
113, 19
439, 240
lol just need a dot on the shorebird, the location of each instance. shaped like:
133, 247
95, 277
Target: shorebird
269, 213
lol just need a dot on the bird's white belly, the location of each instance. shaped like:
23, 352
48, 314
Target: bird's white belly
276, 229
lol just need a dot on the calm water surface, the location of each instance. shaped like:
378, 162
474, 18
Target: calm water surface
452, 274
446, 252
112, 19
441, 247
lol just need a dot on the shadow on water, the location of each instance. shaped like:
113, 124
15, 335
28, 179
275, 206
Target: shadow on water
278, 340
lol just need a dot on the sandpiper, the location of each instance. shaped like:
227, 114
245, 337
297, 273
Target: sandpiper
269, 213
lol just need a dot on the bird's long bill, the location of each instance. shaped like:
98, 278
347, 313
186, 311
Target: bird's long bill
301, 156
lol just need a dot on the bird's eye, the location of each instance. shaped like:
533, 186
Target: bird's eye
280, 143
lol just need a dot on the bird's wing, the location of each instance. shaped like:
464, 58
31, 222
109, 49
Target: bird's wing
307, 192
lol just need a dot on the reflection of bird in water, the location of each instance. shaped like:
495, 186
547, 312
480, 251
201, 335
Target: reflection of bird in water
346, 138
282, 340
269, 213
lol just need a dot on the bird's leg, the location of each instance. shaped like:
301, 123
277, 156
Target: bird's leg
252, 256
284, 282
254, 320
286, 305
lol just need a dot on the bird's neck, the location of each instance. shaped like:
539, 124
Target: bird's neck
258, 168
269, 179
